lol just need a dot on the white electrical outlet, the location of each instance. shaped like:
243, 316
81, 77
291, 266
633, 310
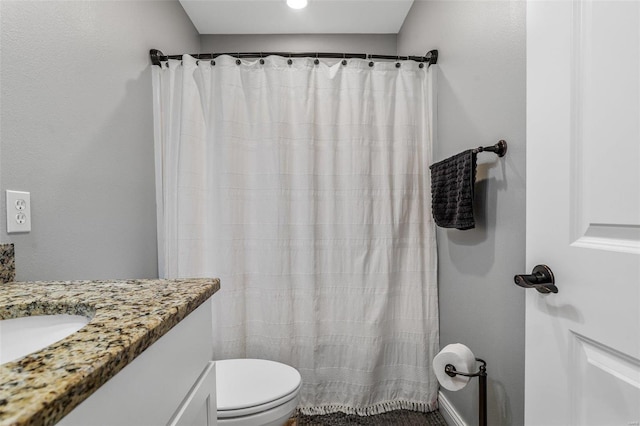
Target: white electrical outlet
18, 211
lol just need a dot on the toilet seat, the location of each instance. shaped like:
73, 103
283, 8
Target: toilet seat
243, 412
249, 386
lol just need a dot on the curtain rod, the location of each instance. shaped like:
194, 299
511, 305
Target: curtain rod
431, 57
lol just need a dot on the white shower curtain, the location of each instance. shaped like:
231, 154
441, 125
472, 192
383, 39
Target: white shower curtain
305, 188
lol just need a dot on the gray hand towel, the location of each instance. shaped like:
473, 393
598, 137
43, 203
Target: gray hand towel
452, 182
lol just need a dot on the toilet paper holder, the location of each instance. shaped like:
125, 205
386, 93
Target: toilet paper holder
481, 374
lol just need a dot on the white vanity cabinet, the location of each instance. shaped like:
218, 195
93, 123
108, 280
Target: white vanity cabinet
199, 406
171, 383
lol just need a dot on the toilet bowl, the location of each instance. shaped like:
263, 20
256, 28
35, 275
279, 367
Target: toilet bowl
255, 392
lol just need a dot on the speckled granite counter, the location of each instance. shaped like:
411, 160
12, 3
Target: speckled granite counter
126, 318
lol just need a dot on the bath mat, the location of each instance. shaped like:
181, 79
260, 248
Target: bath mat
391, 418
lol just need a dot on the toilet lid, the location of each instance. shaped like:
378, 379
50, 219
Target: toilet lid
245, 383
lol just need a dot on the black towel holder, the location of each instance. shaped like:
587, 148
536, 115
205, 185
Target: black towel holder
500, 148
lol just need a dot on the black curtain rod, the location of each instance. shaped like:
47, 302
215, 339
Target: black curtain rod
431, 57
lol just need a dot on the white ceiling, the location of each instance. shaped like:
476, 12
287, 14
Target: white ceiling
275, 17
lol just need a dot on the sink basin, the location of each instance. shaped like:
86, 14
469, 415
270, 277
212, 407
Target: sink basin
24, 335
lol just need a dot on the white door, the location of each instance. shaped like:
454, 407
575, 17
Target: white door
583, 212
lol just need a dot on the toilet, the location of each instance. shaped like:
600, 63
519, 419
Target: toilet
255, 392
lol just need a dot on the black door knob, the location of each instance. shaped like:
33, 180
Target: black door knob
541, 279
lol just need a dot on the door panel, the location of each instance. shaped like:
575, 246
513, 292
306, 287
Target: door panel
607, 384
604, 120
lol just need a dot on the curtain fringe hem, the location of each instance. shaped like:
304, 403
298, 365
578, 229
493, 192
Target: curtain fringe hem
379, 408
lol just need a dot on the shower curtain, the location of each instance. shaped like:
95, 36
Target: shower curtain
305, 188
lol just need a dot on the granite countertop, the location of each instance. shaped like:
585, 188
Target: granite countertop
126, 318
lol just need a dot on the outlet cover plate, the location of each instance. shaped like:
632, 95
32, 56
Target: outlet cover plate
18, 211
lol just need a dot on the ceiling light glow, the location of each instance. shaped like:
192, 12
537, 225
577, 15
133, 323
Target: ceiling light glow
297, 4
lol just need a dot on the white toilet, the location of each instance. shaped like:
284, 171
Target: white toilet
255, 392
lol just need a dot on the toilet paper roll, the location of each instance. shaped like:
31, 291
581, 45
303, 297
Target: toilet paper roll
461, 358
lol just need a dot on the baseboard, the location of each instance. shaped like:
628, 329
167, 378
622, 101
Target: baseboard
449, 413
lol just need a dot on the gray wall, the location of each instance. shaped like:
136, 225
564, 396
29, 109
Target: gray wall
382, 44
481, 99
77, 132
